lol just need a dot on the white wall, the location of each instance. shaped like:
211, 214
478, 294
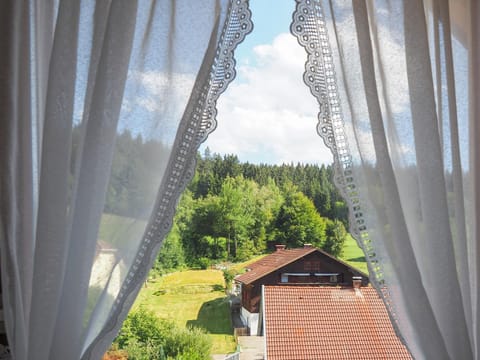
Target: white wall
251, 320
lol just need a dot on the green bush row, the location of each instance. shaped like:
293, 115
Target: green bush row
146, 337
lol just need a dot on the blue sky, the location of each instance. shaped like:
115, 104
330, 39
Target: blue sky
267, 114
270, 19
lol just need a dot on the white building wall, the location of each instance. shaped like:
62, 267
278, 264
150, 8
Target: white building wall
251, 320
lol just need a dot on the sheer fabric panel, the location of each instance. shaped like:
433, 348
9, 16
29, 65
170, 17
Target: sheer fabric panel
397, 86
104, 104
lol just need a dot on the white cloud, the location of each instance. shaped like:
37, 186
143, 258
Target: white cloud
268, 114
154, 103
155, 93
390, 57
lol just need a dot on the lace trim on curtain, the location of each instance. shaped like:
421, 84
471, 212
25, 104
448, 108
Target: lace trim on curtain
310, 29
198, 121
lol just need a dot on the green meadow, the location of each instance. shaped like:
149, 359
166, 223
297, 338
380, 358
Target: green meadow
353, 255
192, 298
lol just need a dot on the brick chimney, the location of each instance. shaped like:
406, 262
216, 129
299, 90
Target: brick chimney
280, 247
307, 246
357, 282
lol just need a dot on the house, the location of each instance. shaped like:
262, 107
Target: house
107, 265
307, 265
325, 322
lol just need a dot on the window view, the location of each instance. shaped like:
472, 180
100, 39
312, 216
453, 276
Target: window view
140, 182
261, 210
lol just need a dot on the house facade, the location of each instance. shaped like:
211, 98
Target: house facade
307, 265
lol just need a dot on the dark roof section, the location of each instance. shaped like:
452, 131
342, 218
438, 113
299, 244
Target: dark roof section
280, 258
315, 322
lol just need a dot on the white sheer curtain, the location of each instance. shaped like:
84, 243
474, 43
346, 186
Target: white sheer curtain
103, 105
398, 87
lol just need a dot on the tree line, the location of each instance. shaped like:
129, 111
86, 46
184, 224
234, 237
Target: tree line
232, 211
312, 180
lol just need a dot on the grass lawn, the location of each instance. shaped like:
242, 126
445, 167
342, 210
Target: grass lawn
192, 298
353, 255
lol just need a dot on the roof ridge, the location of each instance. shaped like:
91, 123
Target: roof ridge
279, 252
276, 266
281, 258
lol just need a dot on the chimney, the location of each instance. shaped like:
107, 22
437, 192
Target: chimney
307, 246
357, 282
280, 247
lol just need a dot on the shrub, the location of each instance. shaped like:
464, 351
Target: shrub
143, 326
115, 354
228, 276
146, 337
188, 344
150, 350
204, 263
335, 238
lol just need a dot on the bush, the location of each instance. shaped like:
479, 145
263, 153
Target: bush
335, 238
143, 326
115, 354
188, 344
146, 337
204, 263
228, 276
150, 350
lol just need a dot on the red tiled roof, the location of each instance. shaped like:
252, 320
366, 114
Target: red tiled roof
314, 323
271, 262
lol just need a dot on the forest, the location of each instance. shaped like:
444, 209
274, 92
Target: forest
231, 211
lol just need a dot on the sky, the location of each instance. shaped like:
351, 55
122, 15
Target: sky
267, 115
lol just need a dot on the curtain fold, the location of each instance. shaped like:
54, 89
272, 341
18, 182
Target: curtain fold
104, 105
397, 89
473, 203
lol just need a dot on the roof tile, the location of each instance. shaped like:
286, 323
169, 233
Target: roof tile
306, 322
272, 262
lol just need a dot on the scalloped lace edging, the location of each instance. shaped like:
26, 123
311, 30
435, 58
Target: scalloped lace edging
197, 123
310, 28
